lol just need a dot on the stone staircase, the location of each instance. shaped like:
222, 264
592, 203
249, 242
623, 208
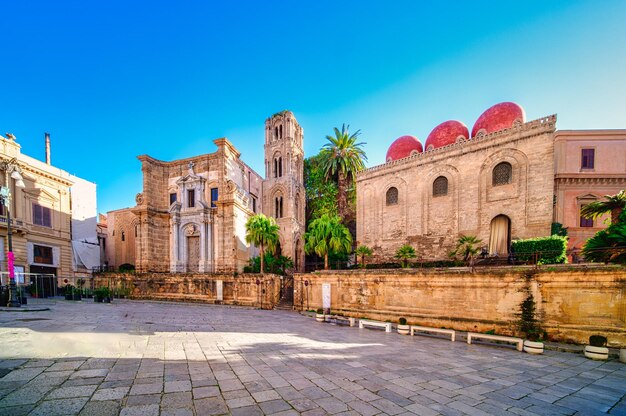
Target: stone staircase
286, 300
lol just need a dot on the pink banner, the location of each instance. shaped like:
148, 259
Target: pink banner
10, 259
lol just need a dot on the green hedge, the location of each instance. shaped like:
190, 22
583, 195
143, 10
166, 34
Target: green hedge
550, 250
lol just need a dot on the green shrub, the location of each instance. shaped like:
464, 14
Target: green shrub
320, 311
597, 341
402, 321
543, 250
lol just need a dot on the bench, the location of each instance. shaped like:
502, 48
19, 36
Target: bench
339, 320
429, 329
386, 325
513, 340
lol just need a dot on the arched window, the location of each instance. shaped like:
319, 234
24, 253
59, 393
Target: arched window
278, 207
281, 131
276, 133
392, 196
440, 186
275, 168
502, 174
280, 167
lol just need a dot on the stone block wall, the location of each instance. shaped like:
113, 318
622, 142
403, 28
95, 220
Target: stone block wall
237, 290
572, 303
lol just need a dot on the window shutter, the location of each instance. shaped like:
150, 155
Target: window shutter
47, 217
56, 254
29, 253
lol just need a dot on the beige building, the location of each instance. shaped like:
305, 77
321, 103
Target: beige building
510, 179
589, 164
191, 215
52, 218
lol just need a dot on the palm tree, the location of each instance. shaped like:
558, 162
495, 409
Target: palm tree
467, 247
326, 234
343, 157
262, 231
363, 251
405, 253
613, 203
608, 245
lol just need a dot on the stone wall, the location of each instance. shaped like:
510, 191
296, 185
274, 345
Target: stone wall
237, 290
572, 303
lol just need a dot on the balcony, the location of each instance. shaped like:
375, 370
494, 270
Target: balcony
17, 224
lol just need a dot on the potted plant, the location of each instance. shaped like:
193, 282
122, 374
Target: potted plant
106, 294
622, 355
597, 350
102, 294
533, 343
69, 292
319, 316
529, 326
403, 327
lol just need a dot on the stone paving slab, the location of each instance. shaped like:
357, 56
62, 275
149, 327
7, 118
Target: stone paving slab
157, 358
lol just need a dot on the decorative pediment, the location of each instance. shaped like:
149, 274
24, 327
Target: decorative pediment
38, 193
190, 179
587, 197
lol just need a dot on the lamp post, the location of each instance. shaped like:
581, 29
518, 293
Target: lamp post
5, 194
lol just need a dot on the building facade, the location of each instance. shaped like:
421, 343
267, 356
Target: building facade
509, 179
52, 219
589, 164
191, 215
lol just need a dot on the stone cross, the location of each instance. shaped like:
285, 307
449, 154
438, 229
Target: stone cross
191, 164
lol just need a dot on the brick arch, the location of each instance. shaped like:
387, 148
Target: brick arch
495, 200
448, 205
515, 157
394, 217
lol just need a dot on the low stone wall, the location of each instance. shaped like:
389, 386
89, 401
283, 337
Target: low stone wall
236, 290
571, 303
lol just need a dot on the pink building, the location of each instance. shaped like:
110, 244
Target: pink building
588, 165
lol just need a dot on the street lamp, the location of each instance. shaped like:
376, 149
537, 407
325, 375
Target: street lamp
5, 194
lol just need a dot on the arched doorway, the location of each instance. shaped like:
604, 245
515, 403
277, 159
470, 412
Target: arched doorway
296, 255
500, 236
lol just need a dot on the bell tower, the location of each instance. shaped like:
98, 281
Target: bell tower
283, 187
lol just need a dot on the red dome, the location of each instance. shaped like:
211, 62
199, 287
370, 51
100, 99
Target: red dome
446, 133
403, 147
499, 117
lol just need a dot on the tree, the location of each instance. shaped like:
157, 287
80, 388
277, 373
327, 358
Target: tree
284, 263
363, 251
608, 245
321, 194
613, 203
467, 247
326, 234
262, 231
342, 157
405, 253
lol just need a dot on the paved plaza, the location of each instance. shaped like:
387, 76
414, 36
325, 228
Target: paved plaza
150, 358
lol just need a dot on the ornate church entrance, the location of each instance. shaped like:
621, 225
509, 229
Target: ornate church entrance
193, 254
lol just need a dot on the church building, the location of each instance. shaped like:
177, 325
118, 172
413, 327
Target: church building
509, 179
191, 215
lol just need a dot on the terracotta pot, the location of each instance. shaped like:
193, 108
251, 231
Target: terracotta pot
404, 329
596, 353
533, 347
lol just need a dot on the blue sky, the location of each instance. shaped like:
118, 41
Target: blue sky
113, 80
